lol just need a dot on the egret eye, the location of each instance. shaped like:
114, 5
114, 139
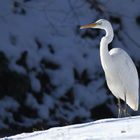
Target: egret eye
99, 23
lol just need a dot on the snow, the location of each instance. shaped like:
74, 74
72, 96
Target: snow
48, 103
35, 82
56, 23
6, 104
106, 129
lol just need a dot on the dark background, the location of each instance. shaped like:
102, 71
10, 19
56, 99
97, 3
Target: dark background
50, 71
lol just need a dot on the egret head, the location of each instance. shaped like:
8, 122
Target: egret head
99, 24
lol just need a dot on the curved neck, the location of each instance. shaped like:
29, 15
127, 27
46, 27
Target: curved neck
104, 52
109, 34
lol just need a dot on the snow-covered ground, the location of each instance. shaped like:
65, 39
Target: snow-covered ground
107, 129
56, 76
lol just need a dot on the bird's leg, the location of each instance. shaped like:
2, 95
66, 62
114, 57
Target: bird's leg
125, 110
125, 106
119, 108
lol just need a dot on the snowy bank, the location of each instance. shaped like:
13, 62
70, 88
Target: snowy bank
106, 129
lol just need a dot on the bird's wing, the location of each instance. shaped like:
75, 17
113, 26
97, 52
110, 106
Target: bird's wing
126, 71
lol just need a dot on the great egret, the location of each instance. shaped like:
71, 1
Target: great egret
120, 71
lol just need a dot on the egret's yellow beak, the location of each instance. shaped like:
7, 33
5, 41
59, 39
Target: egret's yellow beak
91, 25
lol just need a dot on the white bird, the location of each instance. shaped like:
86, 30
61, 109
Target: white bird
120, 71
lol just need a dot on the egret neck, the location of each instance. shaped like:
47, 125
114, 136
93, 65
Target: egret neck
104, 52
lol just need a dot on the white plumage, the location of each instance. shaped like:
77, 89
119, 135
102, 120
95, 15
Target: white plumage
124, 78
120, 71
